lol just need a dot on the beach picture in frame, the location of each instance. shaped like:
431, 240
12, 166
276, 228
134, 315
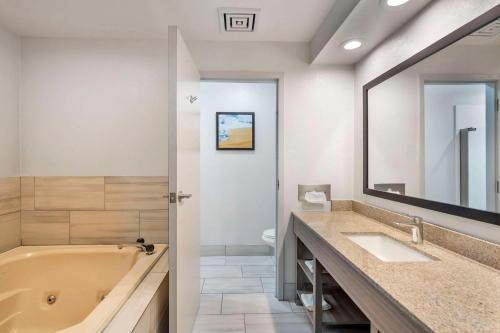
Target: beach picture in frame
235, 130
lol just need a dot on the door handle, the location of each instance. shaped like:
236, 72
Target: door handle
181, 196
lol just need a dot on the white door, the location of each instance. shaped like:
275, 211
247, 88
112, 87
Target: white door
184, 185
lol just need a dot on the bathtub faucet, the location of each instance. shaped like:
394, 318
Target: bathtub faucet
148, 248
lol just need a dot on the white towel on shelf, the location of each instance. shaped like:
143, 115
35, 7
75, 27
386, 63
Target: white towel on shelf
308, 302
310, 265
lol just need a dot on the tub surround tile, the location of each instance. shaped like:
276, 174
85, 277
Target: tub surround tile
45, 227
210, 304
69, 193
47, 201
161, 265
104, 227
27, 193
137, 311
220, 323
10, 195
158, 308
10, 231
138, 196
135, 179
254, 303
209, 272
232, 286
154, 226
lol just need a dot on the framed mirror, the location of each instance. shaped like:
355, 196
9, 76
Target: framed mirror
432, 126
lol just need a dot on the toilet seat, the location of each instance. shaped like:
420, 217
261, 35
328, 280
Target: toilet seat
269, 234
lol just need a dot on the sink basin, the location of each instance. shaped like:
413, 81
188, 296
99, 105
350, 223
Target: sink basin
386, 248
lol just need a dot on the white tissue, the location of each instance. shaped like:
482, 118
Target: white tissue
308, 302
315, 197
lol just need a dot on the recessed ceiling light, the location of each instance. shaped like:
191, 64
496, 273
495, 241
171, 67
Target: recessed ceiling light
394, 3
351, 44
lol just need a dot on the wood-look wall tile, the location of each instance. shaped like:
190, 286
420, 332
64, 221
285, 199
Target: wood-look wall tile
44, 227
27, 193
104, 227
10, 195
69, 193
10, 231
154, 226
135, 180
146, 196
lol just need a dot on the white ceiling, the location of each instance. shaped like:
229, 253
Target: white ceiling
85, 18
280, 20
371, 21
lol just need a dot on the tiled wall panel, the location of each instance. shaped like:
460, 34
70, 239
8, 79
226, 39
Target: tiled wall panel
104, 227
69, 193
10, 231
93, 210
10, 220
45, 227
10, 195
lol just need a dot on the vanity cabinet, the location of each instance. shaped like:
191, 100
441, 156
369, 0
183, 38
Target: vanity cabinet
344, 312
357, 304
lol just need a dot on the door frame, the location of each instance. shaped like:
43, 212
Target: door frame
280, 226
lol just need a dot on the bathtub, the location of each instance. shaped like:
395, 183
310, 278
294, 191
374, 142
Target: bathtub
86, 286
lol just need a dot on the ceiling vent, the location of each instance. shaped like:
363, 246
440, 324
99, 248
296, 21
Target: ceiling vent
489, 30
238, 19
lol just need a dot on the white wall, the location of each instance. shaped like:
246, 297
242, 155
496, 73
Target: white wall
418, 34
94, 107
10, 60
317, 119
238, 188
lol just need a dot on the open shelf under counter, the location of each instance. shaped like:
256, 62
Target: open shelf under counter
344, 313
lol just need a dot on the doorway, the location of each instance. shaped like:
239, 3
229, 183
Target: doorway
239, 189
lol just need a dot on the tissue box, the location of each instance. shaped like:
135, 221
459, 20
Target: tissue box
316, 207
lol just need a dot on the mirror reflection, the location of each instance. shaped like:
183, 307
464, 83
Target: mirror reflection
433, 128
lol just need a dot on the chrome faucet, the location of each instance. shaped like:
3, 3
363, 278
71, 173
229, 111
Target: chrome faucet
417, 229
148, 248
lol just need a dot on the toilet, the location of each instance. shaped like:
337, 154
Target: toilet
269, 236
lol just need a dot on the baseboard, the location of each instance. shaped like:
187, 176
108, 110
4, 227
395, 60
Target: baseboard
236, 250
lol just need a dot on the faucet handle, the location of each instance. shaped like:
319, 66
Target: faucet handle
140, 240
417, 219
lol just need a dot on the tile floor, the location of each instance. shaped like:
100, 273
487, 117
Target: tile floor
237, 296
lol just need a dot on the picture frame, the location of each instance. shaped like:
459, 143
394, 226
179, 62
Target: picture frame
235, 130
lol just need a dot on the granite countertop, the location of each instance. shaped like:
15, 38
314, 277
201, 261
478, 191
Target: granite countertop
451, 294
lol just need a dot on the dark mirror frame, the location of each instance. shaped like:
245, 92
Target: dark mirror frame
471, 213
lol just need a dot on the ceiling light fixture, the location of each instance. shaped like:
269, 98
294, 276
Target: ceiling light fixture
395, 3
351, 44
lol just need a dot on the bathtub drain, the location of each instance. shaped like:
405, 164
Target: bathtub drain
51, 299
